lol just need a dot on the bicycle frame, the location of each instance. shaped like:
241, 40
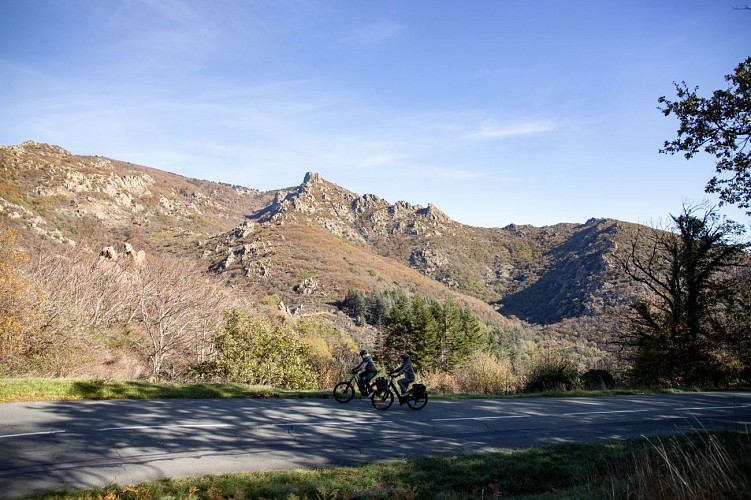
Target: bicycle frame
345, 390
382, 399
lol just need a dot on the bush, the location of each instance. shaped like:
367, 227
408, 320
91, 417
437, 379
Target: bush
598, 379
439, 381
16, 338
553, 373
329, 351
258, 350
486, 374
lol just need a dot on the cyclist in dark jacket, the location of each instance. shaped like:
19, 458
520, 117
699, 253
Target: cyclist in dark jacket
369, 370
407, 370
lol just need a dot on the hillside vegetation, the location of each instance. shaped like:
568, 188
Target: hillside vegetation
142, 269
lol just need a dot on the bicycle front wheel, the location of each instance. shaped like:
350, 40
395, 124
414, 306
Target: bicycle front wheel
418, 403
382, 399
344, 392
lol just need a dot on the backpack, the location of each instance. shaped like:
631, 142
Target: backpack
418, 390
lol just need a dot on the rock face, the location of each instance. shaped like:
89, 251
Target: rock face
542, 275
361, 219
61, 196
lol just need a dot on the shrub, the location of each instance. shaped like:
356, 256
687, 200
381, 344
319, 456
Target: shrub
486, 374
597, 379
439, 381
258, 350
553, 372
14, 339
329, 350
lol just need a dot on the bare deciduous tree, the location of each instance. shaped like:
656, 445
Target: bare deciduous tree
178, 308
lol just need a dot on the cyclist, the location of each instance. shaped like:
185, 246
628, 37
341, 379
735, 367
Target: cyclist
407, 370
369, 371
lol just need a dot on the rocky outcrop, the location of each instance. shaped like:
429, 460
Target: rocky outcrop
32, 221
138, 257
53, 193
356, 218
109, 253
308, 286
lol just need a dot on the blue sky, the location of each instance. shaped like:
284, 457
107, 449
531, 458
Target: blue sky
497, 112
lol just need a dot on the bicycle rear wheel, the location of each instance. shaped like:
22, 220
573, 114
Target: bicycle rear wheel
382, 399
344, 392
418, 403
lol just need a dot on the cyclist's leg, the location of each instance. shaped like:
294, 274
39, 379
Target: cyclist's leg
402, 385
367, 378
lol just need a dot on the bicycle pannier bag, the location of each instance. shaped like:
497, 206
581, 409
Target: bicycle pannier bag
418, 390
382, 383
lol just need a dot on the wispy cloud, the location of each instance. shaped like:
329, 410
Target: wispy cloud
373, 34
175, 10
492, 130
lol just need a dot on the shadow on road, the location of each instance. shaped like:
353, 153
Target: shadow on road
90, 444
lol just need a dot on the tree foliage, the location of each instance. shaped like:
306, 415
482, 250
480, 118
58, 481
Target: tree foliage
438, 336
14, 339
678, 332
720, 126
260, 350
76, 311
371, 308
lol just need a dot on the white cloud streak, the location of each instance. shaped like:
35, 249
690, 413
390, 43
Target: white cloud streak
373, 34
493, 131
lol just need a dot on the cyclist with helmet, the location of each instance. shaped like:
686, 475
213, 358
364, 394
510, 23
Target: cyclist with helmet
407, 370
369, 371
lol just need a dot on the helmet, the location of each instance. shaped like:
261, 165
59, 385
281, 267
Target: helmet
363, 352
405, 356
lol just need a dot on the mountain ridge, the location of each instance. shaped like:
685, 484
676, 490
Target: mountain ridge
427, 240
310, 243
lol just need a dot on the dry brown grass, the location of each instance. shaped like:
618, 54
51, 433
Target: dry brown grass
699, 467
482, 374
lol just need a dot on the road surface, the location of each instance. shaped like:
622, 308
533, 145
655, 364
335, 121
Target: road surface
90, 444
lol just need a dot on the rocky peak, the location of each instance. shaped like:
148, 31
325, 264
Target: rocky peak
432, 213
312, 178
315, 195
348, 215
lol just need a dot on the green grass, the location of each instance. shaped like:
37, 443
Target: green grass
38, 389
61, 389
698, 466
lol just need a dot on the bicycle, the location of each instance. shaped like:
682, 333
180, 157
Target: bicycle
344, 391
416, 396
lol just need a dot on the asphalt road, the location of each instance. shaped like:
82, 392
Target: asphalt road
90, 444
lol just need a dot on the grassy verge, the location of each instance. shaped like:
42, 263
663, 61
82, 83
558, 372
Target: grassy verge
697, 466
37, 389
42, 389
